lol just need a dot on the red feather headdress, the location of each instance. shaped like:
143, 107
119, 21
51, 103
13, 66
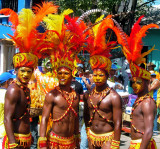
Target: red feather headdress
26, 37
98, 47
133, 48
67, 37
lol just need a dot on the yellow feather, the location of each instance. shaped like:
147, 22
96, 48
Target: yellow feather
55, 22
95, 28
149, 51
25, 26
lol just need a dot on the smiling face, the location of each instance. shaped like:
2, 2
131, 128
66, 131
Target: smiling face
64, 76
137, 85
24, 74
99, 77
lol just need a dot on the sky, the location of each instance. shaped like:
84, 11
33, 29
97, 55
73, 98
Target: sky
157, 2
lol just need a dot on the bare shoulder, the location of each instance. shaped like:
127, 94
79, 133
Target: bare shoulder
148, 104
50, 96
114, 95
13, 92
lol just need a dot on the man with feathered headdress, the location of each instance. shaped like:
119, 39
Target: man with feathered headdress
62, 102
144, 107
102, 112
17, 101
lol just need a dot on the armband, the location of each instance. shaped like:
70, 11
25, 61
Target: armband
12, 145
42, 142
115, 144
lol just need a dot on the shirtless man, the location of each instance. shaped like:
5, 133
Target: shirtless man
16, 110
143, 114
103, 108
29, 42
62, 103
144, 107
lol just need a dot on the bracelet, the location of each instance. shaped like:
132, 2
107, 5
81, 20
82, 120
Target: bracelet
115, 144
42, 142
12, 145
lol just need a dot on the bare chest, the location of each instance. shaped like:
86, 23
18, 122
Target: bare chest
98, 102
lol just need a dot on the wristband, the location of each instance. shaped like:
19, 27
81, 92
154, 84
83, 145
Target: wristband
12, 145
42, 142
115, 144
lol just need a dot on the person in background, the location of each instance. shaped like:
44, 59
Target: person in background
86, 80
118, 84
112, 73
80, 70
5, 79
154, 89
124, 69
151, 66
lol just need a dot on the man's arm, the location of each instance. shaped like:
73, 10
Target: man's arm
148, 109
76, 130
86, 110
11, 99
45, 114
154, 85
117, 114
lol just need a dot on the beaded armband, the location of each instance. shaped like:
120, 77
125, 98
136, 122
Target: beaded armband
115, 144
12, 145
42, 142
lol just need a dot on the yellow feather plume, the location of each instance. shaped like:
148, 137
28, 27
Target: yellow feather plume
95, 28
55, 22
25, 26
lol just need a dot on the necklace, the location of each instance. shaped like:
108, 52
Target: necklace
69, 98
25, 89
102, 94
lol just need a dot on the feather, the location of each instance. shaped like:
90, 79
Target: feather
42, 11
135, 29
55, 22
138, 41
13, 18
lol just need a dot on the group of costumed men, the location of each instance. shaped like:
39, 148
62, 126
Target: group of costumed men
63, 39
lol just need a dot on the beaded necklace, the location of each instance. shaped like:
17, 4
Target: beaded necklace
136, 103
102, 94
27, 95
69, 99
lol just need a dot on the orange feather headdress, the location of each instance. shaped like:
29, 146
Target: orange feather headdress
67, 37
132, 49
98, 47
26, 37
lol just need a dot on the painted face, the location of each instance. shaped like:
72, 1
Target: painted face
64, 76
24, 74
99, 77
137, 84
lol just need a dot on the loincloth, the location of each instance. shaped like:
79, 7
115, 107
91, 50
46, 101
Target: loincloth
99, 139
135, 144
58, 142
23, 140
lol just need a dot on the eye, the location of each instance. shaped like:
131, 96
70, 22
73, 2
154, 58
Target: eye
22, 71
139, 82
101, 75
59, 73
